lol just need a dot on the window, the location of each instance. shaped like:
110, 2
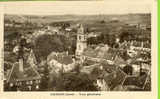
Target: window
20, 83
11, 84
79, 47
29, 87
85, 37
16, 83
30, 82
37, 87
79, 37
37, 81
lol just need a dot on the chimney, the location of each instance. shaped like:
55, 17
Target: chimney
21, 65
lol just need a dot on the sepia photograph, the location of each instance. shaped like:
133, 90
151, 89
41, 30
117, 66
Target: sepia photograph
80, 49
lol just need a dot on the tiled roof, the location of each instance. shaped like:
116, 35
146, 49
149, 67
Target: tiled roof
61, 58
108, 67
136, 81
101, 52
119, 60
88, 62
147, 86
90, 52
29, 73
115, 78
89, 69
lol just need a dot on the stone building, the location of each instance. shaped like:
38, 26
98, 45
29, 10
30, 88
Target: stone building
23, 75
81, 40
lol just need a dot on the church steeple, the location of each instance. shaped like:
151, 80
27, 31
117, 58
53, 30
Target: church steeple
81, 40
81, 29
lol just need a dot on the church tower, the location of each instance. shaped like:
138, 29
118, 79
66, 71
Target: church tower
81, 40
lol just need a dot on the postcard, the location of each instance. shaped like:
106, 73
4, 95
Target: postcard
76, 49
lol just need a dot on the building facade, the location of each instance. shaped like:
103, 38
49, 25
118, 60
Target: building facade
81, 40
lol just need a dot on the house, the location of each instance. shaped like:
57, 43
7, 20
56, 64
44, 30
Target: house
68, 29
109, 81
88, 69
8, 25
89, 52
135, 82
9, 57
114, 79
93, 34
133, 24
110, 54
32, 59
114, 20
100, 51
120, 61
143, 26
18, 24
101, 84
103, 52
60, 62
24, 77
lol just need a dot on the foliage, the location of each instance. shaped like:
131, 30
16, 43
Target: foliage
128, 69
103, 38
75, 82
124, 54
92, 40
132, 33
45, 44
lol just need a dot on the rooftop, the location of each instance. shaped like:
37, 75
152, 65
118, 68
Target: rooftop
29, 73
62, 58
139, 81
115, 78
103, 52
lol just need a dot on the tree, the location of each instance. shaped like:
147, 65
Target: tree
124, 54
92, 40
96, 72
111, 40
75, 82
102, 21
103, 38
45, 44
106, 39
128, 69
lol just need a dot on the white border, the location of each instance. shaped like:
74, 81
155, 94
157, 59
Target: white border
110, 95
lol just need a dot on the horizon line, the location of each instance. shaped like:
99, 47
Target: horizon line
77, 14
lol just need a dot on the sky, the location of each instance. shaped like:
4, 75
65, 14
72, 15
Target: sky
76, 7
